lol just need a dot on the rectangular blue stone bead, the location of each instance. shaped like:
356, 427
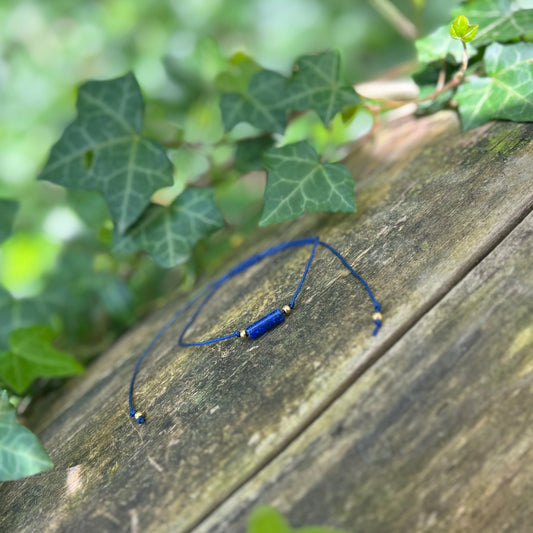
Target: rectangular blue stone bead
265, 324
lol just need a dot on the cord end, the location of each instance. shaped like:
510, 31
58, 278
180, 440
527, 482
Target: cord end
139, 418
378, 320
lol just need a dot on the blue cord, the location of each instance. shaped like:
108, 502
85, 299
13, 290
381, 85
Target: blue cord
258, 328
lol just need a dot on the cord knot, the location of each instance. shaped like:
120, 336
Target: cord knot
139, 418
377, 317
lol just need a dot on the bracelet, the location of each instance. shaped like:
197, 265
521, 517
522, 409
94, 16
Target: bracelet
261, 326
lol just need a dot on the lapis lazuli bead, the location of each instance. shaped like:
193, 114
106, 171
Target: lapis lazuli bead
265, 324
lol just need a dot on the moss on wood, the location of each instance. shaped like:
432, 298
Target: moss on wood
431, 203
437, 435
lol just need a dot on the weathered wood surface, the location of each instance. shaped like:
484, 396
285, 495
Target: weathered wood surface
437, 435
432, 203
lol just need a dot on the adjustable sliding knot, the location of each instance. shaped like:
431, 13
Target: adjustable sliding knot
139, 418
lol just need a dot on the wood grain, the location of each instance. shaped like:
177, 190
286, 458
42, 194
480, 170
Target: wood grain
437, 435
431, 203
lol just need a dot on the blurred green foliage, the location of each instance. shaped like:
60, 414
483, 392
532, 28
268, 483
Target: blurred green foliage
177, 50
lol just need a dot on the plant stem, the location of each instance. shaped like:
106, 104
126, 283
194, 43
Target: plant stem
454, 82
397, 19
441, 88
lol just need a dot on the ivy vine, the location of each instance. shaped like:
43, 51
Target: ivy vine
480, 64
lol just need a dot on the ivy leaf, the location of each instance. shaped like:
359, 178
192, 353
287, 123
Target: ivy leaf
19, 313
203, 122
462, 30
21, 453
103, 150
31, 356
249, 153
169, 234
297, 181
430, 107
240, 69
316, 85
8, 211
89, 206
262, 105
270, 96
508, 91
265, 519
438, 45
84, 289
499, 20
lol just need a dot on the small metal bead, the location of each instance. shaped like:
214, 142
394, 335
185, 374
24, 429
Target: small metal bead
243, 334
137, 415
377, 316
286, 309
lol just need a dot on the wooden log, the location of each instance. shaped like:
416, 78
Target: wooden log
432, 202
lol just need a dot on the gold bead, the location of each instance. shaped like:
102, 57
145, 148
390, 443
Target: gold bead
377, 316
137, 415
243, 333
286, 309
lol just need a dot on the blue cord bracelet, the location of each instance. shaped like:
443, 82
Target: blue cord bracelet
261, 326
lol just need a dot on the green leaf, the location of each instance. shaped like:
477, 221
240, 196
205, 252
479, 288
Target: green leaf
462, 30
316, 85
169, 234
103, 150
438, 45
249, 153
430, 107
190, 84
31, 356
21, 453
499, 20
203, 123
84, 288
8, 211
89, 206
508, 91
265, 519
19, 313
297, 181
270, 96
240, 69
261, 106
